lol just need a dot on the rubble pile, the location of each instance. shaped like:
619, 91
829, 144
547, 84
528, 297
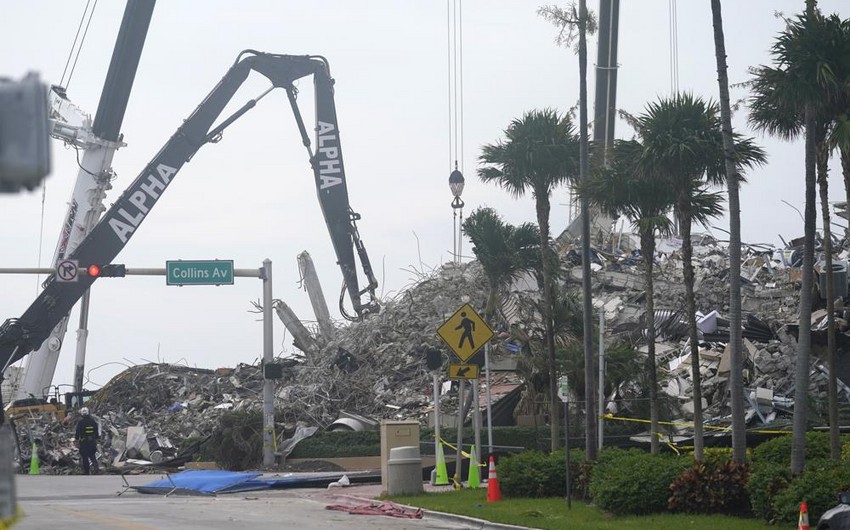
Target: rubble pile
770, 301
375, 368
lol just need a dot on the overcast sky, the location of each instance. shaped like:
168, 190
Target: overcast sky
251, 196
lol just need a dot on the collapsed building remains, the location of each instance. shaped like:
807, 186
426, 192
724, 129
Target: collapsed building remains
375, 369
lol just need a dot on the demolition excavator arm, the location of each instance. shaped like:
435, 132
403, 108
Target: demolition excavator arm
19, 336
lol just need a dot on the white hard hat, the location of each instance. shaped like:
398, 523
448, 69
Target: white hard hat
84, 411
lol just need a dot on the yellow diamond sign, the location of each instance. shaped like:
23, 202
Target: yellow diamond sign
463, 371
465, 332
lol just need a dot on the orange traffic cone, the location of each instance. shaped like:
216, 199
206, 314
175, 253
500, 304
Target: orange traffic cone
494, 494
803, 523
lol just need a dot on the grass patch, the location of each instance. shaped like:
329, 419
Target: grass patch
552, 513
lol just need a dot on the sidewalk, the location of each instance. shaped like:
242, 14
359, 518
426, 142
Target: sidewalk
368, 493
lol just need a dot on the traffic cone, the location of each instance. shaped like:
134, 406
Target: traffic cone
34, 469
442, 475
474, 480
494, 494
803, 523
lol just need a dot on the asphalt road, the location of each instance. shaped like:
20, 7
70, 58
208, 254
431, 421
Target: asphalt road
93, 503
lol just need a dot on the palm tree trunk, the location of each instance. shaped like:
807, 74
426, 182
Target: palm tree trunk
736, 379
647, 251
587, 296
545, 251
804, 339
688, 269
845, 171
832, 381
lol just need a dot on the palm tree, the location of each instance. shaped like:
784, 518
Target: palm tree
568, 20
540, 151
621, 190
837, 137
503, 250
736, 379
804, 92
682, 141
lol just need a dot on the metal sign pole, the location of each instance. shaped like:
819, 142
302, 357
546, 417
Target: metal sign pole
476, 418
459, 457
601, 390
567, 449
489, 400
268, 353
436, 378
564, 394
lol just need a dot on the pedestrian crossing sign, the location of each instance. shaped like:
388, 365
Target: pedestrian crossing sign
465, 332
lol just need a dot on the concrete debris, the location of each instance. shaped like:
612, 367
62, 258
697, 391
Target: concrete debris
354, 377
770, 281
351, 377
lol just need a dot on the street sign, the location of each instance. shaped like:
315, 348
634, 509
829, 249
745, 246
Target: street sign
66, 270
563, 389
199, 272
463, 371
465, 332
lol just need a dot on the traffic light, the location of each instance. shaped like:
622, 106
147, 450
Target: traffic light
113, 271
24, 134
110, 270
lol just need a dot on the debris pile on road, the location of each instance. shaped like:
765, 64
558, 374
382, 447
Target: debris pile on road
375, 369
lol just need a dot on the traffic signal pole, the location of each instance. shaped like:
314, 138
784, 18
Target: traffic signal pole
82, 342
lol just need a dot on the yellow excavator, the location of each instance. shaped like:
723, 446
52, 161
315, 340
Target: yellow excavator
50, 403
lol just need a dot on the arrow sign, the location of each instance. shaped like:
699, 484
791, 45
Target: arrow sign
463, 371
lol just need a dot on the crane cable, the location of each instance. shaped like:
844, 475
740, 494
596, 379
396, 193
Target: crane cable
454, 48
674, 48
65, 85
74, 45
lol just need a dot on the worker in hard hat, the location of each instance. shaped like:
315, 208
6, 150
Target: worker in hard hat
87, 434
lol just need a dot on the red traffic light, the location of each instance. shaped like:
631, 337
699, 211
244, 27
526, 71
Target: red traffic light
107, 270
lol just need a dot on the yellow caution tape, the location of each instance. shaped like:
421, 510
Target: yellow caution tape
690, 424
462, 452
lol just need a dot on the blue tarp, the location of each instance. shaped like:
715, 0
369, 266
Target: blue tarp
200, 482
208, 482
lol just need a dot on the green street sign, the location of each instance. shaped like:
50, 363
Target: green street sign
199, 272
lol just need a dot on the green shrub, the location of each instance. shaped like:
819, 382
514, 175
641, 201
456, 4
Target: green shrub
339, 444
628, 483
718, 455
536, 474
531, 474
778, 450
818, 486
580, 478
237, 442
711, 488
845, 452
610, 454
765, 483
